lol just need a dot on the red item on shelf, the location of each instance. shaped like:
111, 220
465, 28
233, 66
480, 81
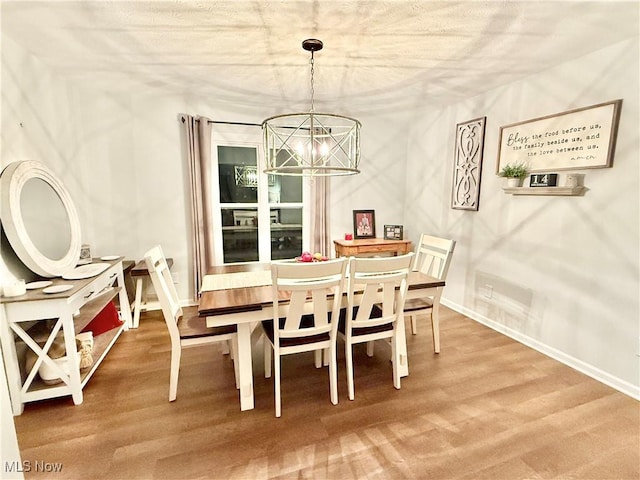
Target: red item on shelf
106, 320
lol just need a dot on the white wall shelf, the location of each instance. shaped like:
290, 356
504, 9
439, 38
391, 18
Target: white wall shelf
548, 191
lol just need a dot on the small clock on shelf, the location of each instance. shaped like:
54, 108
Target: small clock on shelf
543, 180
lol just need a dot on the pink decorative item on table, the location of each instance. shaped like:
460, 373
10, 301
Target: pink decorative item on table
307, 257
348, 236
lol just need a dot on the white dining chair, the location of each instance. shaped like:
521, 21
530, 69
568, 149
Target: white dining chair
376, 292
433, 258
304, 324
184, 331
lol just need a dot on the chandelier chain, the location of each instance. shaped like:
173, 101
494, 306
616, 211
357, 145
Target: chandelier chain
312, 86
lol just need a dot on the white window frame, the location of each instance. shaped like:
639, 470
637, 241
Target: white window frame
250, 137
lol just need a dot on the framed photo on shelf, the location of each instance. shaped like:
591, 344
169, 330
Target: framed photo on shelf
364, 224
393, 232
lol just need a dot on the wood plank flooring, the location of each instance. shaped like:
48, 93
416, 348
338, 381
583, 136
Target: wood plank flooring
486, 407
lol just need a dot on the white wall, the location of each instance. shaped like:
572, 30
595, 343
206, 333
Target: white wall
11, 461
564, 270
9, 449
380, 185
84, 137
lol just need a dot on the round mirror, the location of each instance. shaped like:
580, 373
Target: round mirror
40, 222
39, 219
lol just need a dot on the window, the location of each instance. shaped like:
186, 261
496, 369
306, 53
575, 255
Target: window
261, 217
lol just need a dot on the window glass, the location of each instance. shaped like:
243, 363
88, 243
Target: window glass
240, 234
257, 217
286, 233
238, 174
290, 189
284, 188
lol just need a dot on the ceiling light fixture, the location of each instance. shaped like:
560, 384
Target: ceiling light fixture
311, 144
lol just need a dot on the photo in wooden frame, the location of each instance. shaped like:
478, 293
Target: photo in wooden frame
393, 232
364, 224
467, 167
571, 140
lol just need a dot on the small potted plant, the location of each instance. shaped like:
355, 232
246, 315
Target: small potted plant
514, 173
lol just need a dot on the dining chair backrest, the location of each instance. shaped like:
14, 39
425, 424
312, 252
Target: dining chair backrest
379, 283
312, 288
433, 256
184, 331
165, 289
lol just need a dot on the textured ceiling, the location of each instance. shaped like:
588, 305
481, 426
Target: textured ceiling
377, 54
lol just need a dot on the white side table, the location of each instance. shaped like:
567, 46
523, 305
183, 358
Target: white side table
69, 311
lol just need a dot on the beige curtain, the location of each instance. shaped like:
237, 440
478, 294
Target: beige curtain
320, 241
198, 145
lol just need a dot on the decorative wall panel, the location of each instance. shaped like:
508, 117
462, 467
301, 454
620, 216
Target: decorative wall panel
467, 169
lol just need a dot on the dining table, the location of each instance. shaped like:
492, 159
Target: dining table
241, 295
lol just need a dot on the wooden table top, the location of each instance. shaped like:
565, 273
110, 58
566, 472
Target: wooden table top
141, 267
369, 241
247, 299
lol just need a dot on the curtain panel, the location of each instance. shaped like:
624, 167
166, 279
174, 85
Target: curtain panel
319, 212
198, 155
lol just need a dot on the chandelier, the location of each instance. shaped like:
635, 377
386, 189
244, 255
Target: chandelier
311, 144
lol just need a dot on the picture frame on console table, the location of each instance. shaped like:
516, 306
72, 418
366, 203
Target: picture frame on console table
364, 224
393, 232
571, 140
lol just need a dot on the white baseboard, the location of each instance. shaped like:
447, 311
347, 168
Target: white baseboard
621, 385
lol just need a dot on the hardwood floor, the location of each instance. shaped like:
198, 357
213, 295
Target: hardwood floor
486, 407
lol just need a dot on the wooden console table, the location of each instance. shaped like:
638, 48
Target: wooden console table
347, 248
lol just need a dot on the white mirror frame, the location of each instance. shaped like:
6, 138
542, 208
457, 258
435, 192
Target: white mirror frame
12, 180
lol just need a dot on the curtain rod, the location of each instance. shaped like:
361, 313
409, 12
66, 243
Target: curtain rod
237, 123
229, 123
243, 123
248, 124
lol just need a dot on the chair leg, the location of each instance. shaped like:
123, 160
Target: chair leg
176, 352
234, 356
317, 355
414, 324
267, 348
256, 333
435, 329
333, 372
395, 363
276, 367
226, 348
370, 348
325, 355
348, 353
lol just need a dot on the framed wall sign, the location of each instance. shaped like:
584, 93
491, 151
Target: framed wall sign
571, 140
393, 232
467, 167
364, 223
